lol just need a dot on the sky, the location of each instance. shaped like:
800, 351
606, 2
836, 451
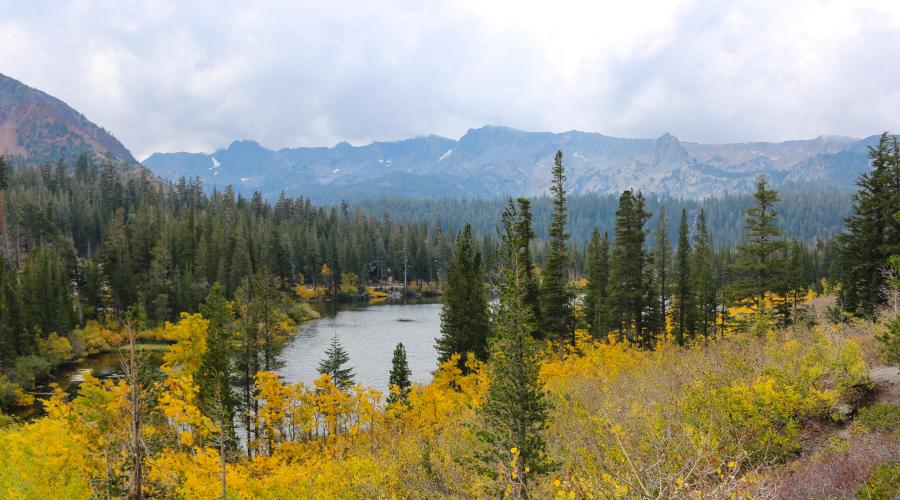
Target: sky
193, 76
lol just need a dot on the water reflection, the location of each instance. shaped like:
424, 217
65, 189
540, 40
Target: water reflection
369, 333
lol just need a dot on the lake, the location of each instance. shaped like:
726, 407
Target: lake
369, 333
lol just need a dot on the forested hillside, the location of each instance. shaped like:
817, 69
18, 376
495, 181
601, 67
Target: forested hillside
809, 216
80, 246
667, 368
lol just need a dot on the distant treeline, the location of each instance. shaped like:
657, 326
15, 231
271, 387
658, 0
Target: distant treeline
806, 216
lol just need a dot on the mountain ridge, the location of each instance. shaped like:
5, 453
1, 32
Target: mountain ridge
38, 127
495, 161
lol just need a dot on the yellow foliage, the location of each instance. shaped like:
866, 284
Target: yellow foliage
178, 403
189, 337
56, 349
672, 422
97, 338
349, 283
42, 459
306, 293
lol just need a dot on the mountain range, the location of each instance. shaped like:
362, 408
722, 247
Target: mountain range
486, 162
496, 161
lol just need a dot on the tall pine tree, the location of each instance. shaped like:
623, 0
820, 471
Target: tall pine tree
662, 264
556, 312
464, 318
217, 399
760, 260
516, 408
627, 283
703, 278
683, 314
595, 302
873, 231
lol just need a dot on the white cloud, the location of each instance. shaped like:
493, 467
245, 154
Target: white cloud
168, 76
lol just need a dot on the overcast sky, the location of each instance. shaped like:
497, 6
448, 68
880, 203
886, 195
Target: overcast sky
163, 76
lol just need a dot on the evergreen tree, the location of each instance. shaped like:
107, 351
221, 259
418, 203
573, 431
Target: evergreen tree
703, 279
464, 318
790, 286
217, 399
759, 261
627, 282
556, 313
873, 233
4, 173
399, 377
684, 313
4, 185
662, 263
517, 236
516, 408
333, 364
595, 301
524, 236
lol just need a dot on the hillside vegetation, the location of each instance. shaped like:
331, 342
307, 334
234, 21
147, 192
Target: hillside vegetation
712, 419
662, 372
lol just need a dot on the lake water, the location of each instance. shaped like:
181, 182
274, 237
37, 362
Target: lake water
369, 333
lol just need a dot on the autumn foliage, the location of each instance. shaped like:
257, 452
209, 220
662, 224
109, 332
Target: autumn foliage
705, 418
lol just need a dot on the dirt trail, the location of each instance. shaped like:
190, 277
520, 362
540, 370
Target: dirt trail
838, 473
887, 379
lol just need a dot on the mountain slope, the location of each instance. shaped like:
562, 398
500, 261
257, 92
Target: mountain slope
37, 127
496, 161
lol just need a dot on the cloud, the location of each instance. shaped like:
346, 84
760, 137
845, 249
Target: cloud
169, 76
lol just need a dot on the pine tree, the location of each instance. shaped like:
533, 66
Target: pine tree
246, 357
684, 313
595, 302
703, 279
4, 173
556, 313
662, 263
217, 399
524, 236
627, 282
516, 408
873, 233
517, 236
333, 364
464, 318
759, 262
399, 377
4, 185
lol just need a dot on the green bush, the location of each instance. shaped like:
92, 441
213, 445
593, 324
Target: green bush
891, 340
29, 369
301, 311
883, 483
9, 392
880, 417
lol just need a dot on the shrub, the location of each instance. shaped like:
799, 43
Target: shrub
11, 394
92, 339
890, 339
55, 349
883, 483
884, 417
669, 421
301, 311
29, 369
